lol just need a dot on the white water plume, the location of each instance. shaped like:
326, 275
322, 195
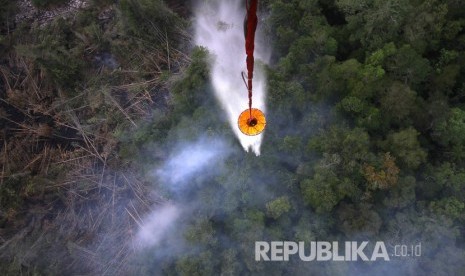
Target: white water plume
219, 28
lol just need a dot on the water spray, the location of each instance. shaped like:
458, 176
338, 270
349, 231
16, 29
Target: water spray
252, 121
219, 27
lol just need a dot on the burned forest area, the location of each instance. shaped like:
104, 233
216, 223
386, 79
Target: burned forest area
119, 154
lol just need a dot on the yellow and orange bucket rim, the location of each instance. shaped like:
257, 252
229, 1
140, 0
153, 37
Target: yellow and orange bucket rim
252, 122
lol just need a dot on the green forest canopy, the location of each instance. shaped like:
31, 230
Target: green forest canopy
365, 141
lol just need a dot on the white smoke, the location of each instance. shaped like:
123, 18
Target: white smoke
189, 161
156, 225
219, 28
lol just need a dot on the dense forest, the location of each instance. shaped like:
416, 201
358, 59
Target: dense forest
108, 118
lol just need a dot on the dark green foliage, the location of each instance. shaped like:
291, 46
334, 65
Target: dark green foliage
365, 137
450, 207
320, 192
405, 146
450, 132
278, 207
58, 52
189, 93
151, 20
398, 102
408, 66
374, 23
403, 194
359, 220
365, 100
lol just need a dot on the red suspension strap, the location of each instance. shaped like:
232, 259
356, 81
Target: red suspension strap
250, 25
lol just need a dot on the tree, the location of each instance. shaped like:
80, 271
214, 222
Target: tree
425, 24
199, 264
320, 191
374, 23
278, 207
352, 146
358, 220
384, 179
398, 102
405, 147
230, 264
403, 194
189, 92
151, 20
408, 66
450, 133
450, 207
202, 232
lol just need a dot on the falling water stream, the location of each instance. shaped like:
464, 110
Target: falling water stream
219, 28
